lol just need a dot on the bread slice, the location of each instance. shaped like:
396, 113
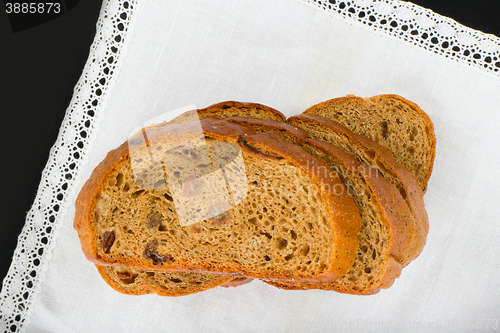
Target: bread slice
130, 281
369, 153
393, 122
136, 282
230, 109
292, 223
384, 236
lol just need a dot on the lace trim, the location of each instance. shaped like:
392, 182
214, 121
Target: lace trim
43, 221
421, 27
402, 20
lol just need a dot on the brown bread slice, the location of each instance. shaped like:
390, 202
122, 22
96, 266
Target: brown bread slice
270, 234
114, 276
392, 121
369, 153
136, 282
384, 235
229, 109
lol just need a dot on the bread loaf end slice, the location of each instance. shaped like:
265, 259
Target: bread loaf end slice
393, 122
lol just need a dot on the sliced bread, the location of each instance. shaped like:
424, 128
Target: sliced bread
384, 236
136, 282
392, 121
299, 229
369, 153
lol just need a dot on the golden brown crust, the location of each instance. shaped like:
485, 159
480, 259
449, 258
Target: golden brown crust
85, 200
290, 133
229, 109
367, 151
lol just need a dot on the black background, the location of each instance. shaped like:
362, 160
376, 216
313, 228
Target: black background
40, 67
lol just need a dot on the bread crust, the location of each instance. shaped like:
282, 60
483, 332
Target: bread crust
86, 198
292, 134
365, 150
229, 109
145, 282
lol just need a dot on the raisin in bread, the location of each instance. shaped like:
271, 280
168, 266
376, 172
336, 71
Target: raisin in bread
392, 121
289, 223
369, 153
384, 237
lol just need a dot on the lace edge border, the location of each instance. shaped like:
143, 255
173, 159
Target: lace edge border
59, 177
420, 27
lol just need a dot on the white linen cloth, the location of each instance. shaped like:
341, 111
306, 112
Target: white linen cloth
289, 56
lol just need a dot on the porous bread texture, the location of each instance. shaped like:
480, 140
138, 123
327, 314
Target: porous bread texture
393, 122
300, 229
229, 109
131, 281
384, 235
369, 153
